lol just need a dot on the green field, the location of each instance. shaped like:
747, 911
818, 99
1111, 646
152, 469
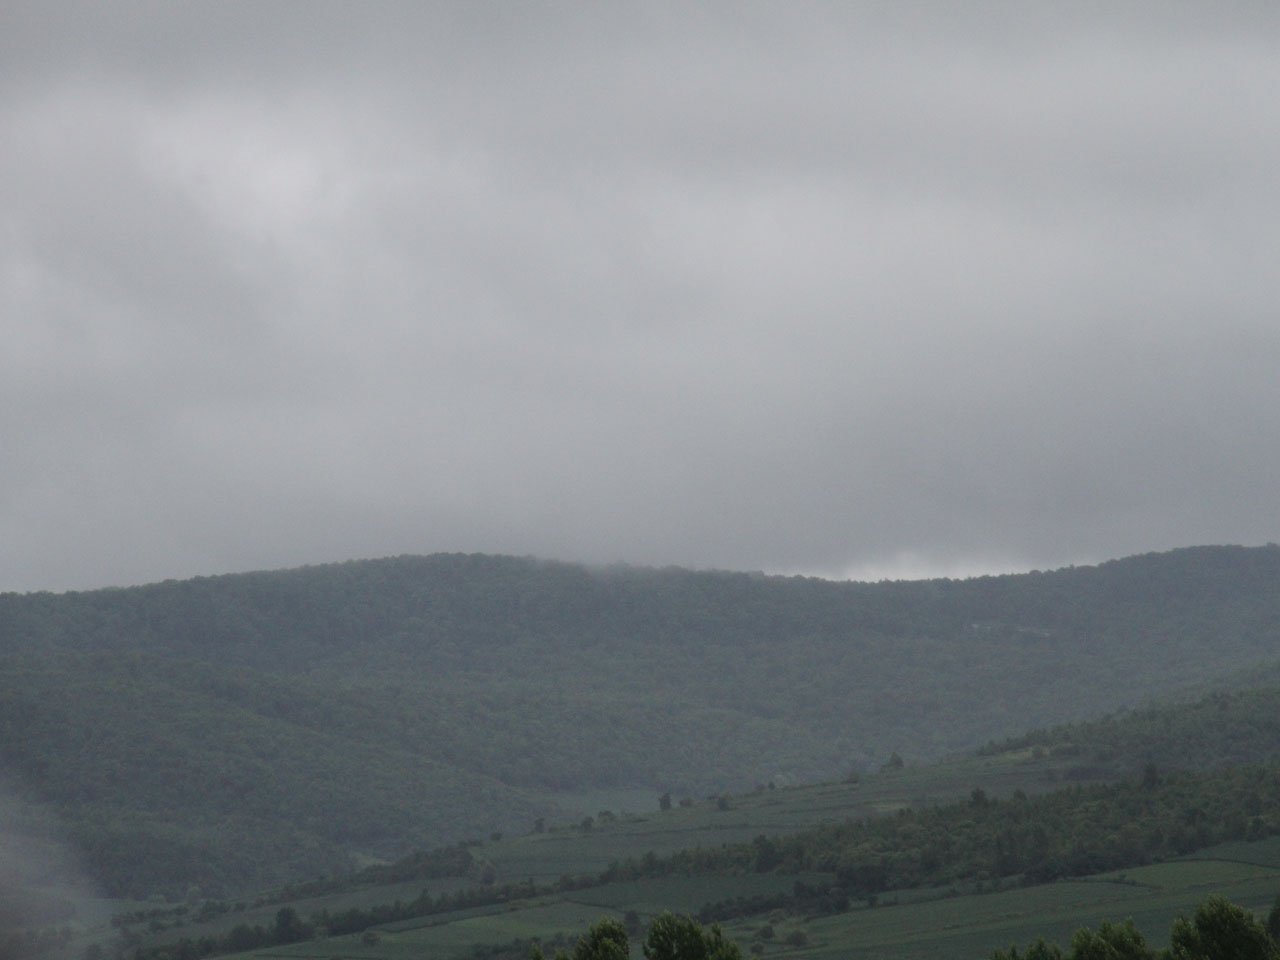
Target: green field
914, 925
935, 923
973, 926
1265, 853
571, 850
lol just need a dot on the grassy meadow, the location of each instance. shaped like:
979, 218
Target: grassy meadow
912, 925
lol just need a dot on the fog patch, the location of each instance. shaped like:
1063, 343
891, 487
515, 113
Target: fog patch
43, 881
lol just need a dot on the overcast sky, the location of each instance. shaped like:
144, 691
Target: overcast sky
867, 290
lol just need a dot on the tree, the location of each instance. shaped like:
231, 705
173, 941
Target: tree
1038, 950
1113, 941
1220, 930
1273, 919
605, 940
289, 927
682, 938
767, 855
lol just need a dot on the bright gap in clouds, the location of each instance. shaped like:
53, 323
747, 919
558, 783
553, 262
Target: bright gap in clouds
917, 566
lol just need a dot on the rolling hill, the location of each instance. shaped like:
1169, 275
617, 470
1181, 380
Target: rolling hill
244, 730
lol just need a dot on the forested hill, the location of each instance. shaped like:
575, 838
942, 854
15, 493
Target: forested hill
1227, 727
376, 706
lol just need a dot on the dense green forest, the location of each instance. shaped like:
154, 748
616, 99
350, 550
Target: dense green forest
1230, 726
240, 731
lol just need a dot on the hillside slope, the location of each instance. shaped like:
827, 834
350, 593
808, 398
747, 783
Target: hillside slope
370, 707
1229, 727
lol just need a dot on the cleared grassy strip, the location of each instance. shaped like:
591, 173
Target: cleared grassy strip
686, 894
543, 919
1192, 874
1263, 852
264, 916
574, 851
954, 926
973, 926
540, 920
941, 928
458, 916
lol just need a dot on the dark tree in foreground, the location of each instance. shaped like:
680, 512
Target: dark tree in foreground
1219, 930
1112, 941
669, 938
681, 938
606, 940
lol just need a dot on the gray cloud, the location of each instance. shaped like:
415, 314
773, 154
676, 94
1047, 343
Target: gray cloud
815, 287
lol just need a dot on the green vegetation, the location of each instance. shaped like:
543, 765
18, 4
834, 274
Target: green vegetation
955, 874
171, 774
247, 731
1240, 726
1219, 930
295, 734
1027, 839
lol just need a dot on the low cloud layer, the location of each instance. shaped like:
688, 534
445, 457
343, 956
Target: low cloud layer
884, 291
